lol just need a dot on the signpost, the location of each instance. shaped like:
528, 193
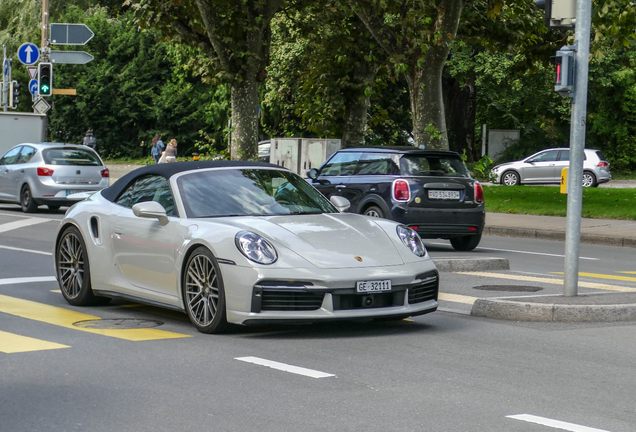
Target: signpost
70, 34
70, 57
28, 53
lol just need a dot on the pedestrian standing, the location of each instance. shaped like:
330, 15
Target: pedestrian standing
157, 148
90, 141
171, 151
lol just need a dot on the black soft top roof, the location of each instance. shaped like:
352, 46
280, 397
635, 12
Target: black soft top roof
167, 170
401, 150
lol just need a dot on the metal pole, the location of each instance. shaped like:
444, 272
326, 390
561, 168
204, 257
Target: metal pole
44, 46
577, 147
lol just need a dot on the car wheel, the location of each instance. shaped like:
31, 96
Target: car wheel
204, 293
589, 179
53, 207
466, 243
374, 211
73, 270
26, 200
510, 178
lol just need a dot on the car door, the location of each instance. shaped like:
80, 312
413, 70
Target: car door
563, 161
540, 168
6, 173
17, 172
145, 250
335, 174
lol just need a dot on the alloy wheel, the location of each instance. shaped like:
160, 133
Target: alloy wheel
510, 179
202, 290
71, 265
588, 179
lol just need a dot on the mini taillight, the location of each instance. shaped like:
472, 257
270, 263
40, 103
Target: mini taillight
45, 172
413, 227
401, 191
472, 229
105, 173
602, 164
479, 193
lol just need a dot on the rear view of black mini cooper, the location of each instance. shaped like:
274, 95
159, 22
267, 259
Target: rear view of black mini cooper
431, 191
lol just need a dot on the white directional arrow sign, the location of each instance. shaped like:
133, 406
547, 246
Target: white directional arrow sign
28, 53
70, 57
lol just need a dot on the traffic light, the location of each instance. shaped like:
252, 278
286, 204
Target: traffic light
14, 92
558, 13
564, 62
45, 79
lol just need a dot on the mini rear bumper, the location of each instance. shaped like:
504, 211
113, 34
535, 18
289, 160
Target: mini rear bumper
442, 223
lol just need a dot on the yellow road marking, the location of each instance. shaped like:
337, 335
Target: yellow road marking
457, 298
604, 276
65, 318
628, 272
550, 281
12, 343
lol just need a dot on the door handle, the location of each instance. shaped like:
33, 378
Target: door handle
340, 186
118, 232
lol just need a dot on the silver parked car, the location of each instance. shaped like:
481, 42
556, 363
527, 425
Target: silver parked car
47, 173
239, 242
546, 165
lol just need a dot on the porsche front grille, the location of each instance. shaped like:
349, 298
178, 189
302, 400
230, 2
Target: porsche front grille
426, 290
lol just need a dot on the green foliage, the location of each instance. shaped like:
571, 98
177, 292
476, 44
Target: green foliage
481, 169
135, 87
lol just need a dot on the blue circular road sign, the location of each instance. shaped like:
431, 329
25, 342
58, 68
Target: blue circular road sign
5, 67
28, 53
33, 86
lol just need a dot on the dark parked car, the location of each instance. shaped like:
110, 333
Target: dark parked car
431, 191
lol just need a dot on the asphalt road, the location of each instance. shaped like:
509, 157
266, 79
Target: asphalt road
445, 371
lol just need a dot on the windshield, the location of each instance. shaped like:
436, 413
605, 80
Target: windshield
70, 156
433, 165
249, 192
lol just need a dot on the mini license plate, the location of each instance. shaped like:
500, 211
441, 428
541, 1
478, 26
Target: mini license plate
443, 194
373, 286
71, 192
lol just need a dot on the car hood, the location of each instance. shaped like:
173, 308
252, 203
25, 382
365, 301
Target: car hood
335, 240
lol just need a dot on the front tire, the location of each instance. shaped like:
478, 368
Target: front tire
73, 269
374, 211
27, 202
510, 178
204, 292
589, 179
465, 243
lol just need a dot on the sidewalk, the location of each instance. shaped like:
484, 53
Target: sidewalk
609, 232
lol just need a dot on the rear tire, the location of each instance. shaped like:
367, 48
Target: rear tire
465, 243
27, 202
510, 178
73, 270
589, 179
374, 211
204, 292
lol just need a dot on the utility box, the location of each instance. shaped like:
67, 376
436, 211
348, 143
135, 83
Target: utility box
18, 128
301, 154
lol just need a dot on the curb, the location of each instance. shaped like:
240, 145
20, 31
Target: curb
550, 312
543, 234
471, 264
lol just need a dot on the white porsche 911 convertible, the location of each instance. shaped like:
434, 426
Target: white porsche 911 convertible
239, 243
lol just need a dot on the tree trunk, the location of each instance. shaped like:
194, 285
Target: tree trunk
460, 103
427, 104
244, 119
357, 106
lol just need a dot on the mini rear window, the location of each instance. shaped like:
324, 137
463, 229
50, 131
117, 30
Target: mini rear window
433, 165
70, 156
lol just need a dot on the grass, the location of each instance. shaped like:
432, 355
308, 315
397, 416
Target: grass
548, 201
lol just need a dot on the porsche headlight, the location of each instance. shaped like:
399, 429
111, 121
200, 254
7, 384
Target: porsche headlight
255, 248
411, 240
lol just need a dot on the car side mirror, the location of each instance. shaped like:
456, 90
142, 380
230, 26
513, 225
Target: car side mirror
152, 210
341, 203
530, 161
312, 173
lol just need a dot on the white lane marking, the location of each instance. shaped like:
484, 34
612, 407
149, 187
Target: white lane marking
10, 226
522, 252
12, 281
554, 423
26, 250
285, 367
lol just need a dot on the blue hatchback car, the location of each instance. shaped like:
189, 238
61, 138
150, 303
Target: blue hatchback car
431, 191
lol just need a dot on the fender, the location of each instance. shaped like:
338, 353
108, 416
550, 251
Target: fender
373, 199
